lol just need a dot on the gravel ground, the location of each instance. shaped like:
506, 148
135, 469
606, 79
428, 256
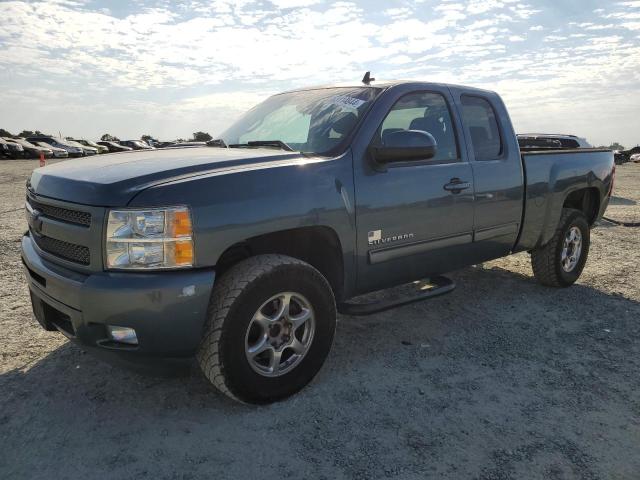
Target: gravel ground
502, 379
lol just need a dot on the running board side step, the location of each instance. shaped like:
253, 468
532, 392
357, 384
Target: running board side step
439, 286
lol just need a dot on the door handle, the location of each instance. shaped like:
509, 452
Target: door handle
456, 185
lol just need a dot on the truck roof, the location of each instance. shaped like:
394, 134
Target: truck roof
387, 84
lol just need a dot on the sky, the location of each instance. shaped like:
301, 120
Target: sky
170, 68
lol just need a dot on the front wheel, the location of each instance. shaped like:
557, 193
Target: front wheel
560, 262
270, 326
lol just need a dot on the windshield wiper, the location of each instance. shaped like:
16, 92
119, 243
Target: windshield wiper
218, 142
263, 143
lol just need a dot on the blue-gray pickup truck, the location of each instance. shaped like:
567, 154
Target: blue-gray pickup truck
242, 252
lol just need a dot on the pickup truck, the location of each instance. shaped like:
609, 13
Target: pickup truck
242, 252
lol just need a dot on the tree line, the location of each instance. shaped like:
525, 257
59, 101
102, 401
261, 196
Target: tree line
197, 136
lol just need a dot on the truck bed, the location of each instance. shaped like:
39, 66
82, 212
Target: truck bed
550, 176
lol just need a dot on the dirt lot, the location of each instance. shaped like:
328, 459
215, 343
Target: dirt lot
501, 379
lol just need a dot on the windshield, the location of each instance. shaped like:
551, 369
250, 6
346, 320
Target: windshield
312, 121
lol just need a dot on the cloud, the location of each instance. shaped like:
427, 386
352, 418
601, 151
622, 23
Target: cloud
200, 61
157, 47
293, 3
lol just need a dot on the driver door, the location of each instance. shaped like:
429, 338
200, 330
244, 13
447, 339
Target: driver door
411, 221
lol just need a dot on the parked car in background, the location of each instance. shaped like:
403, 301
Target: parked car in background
31, 150
632, 151
87, 150
620, 157
11, 149
551, 140
136, 144
73, 150
180, 144
631, 155
89, 143
114, 146
533, 143
189, 144
164, 144
57, 152
4, 149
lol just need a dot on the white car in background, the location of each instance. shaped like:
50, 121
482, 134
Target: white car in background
87, 150
72, 150
57, 152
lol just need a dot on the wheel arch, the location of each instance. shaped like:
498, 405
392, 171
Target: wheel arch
587, 200
318, 246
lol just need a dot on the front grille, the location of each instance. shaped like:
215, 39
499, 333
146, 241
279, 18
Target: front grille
63, 214
68, 251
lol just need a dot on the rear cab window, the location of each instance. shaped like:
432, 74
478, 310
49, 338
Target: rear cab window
480, 119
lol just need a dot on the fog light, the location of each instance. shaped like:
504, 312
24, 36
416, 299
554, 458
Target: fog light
122, 334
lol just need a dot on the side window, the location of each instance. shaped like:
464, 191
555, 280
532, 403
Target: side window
480, 118
424, 111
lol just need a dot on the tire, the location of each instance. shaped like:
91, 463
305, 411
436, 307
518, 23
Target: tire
241, 299
548, 264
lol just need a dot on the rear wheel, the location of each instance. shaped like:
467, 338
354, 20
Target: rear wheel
270, 327
560, 262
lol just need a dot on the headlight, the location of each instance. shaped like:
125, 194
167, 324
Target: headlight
149, 239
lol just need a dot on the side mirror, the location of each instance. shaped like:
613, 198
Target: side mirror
405, 145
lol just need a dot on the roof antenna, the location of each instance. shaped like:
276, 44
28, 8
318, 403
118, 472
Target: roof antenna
367, 79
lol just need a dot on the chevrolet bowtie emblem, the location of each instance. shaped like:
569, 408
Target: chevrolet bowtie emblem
33, 219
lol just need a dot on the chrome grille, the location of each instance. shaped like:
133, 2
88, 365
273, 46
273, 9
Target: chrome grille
63, 214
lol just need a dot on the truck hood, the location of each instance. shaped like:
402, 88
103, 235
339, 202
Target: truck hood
114, 179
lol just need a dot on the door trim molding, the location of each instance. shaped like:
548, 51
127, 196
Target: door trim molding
497, 231
415, 248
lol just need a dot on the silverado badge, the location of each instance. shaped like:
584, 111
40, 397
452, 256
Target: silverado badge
375, 237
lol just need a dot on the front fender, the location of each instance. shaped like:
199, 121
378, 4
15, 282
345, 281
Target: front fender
229, 207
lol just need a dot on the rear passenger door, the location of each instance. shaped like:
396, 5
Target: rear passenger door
497, 172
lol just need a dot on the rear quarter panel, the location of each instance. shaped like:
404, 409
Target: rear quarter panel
550, 177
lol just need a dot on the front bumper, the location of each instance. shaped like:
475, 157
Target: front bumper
166, 309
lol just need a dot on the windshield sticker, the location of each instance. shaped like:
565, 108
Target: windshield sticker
347, 101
